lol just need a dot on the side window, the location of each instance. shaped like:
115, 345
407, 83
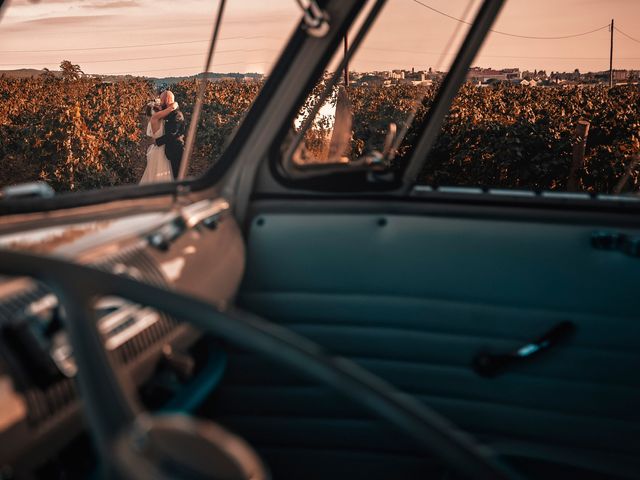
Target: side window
551, 103
80, 82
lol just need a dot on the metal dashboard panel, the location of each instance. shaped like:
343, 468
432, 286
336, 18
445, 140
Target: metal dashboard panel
204, 261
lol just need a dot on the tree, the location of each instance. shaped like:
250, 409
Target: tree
47, 74
70, 71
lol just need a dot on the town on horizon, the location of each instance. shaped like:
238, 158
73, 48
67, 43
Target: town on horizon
487, 76
480, 76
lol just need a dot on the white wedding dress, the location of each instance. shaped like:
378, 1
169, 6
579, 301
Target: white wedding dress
158, 165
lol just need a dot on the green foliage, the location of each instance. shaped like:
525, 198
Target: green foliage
507, 136
512, 137
86, 134
75, 135
225, 104
375, 107
70, 71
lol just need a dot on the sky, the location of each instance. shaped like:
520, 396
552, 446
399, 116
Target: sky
170, 38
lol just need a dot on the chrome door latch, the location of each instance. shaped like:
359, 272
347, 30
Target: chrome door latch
206, 212
616, 241
28, 190
316, 20
491, 365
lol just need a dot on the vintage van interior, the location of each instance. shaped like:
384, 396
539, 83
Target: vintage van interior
267, 320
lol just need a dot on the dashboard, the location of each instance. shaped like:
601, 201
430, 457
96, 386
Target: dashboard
197, 250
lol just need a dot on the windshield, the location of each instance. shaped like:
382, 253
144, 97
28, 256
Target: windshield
550, 101
101, 93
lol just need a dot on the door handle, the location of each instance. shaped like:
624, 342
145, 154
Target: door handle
491, 364
627, 244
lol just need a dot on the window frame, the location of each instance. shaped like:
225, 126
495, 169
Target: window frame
402, 180
351, 185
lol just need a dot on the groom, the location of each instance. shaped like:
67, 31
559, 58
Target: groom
174, 130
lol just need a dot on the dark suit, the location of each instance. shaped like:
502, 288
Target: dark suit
173, 140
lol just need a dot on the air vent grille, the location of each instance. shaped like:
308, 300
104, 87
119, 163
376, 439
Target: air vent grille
43, 404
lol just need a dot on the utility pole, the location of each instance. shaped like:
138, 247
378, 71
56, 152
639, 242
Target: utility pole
611, 56
346, 67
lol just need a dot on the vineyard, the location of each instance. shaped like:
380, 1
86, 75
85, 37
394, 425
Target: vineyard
85, 134
75, 135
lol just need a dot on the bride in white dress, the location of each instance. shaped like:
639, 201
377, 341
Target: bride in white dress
158, 165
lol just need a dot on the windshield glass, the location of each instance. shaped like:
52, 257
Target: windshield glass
83, 86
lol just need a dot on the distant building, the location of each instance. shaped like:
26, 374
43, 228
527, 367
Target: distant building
485, 75
526, 83
620, 75
512, 73
416, 76
434, 76
413, 78
371, 79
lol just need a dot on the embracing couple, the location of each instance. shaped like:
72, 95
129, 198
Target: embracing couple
166, 126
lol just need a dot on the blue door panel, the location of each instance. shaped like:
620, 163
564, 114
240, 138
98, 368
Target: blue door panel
414, 299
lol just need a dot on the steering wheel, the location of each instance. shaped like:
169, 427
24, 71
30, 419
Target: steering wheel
136, 444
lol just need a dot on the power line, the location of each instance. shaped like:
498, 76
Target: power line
420, 65
507, 34
91, 62
138, 45
626, 35
423, 52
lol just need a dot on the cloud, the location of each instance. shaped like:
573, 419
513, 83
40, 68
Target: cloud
64, 20
23, 3
72, 3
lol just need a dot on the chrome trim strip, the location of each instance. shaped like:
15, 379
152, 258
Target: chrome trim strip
196, 213
512, 193
144, 319
111, 326
566, 195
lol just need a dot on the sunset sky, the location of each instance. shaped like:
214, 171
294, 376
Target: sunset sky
169, 37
